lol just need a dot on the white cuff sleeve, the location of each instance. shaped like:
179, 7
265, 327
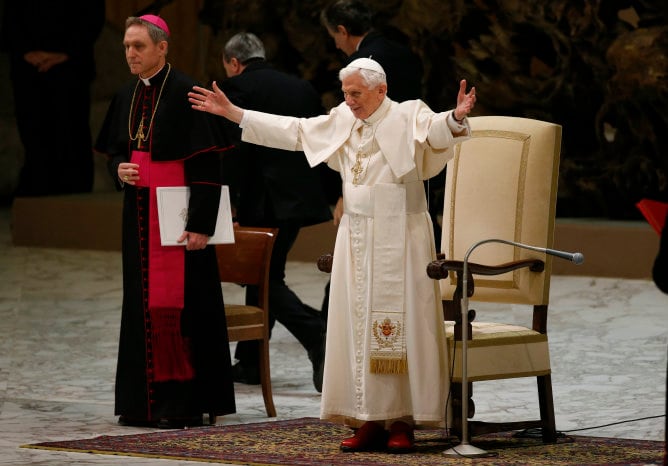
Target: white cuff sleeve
455, 126
244, 119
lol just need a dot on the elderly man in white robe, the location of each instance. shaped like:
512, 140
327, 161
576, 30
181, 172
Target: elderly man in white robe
386, 357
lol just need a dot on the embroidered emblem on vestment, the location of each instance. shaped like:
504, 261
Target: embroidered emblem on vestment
388, 343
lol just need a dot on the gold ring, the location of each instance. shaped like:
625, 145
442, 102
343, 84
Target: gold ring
125, 178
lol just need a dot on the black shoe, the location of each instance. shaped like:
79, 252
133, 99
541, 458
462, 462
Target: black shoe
317, 357
244, 374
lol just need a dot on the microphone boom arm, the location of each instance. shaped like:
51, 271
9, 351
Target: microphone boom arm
465, 449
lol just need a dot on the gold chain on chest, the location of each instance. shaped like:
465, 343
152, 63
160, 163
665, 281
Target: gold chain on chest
357, 169
140, 134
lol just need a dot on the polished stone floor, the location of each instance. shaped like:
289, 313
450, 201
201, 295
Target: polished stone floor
59, 320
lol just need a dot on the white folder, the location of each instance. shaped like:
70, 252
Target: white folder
173, 215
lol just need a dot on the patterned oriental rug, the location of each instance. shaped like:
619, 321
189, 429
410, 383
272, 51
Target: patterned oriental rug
309, 441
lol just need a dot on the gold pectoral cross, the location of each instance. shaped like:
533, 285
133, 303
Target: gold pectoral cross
357, 169
141, 137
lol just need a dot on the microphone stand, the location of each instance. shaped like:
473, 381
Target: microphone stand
465, 449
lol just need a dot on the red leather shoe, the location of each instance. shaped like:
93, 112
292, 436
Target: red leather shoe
402, 439
370, 436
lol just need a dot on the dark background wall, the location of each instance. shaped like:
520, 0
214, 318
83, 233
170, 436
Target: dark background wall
597, 67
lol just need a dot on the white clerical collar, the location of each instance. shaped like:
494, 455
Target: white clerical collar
147, 81
380, 112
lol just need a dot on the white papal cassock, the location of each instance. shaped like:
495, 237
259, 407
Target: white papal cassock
384, 242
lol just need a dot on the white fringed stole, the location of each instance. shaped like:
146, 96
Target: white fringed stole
388, 204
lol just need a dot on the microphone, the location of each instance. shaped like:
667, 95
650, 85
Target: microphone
576, 257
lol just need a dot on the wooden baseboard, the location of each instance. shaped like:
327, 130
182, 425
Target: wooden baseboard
77, 221
625, 249
93, 221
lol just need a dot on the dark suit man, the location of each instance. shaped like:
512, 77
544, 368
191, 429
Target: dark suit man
52, 65
350, 24
274, 188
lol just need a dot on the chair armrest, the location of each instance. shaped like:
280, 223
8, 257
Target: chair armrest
438, 269
325, 262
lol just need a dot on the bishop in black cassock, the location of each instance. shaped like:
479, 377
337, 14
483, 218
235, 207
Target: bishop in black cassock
174, 358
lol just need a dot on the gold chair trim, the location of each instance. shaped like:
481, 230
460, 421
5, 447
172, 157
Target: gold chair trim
521, 183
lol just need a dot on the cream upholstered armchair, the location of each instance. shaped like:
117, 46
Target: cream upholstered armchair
502, 183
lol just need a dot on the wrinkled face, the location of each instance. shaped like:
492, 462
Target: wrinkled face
362, 100
342, 40
144, 57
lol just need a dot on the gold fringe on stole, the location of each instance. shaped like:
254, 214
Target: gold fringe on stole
388, 366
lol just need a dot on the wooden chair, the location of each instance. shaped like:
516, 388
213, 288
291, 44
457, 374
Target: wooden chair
502, 183
246, 262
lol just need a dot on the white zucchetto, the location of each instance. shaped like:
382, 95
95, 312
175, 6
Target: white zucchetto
366, 64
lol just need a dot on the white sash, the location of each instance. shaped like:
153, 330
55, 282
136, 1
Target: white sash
388, 204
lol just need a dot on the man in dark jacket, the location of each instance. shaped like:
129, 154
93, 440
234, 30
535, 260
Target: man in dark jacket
350, 24
274, 188
50, 46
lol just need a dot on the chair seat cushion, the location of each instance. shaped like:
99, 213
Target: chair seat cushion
240, 315
500, 351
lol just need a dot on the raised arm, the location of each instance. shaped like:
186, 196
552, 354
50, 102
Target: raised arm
465, 101
215, 102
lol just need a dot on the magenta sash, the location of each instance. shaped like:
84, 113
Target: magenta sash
166, 277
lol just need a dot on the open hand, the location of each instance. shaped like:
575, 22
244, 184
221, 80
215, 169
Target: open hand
465, 101
214, 101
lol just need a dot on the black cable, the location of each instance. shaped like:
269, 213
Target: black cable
616, 423
537, 432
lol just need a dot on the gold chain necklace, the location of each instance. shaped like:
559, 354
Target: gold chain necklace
140, 130
357, 170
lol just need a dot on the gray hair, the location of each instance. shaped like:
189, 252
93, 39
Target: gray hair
154, 32
371, 78
243, 46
